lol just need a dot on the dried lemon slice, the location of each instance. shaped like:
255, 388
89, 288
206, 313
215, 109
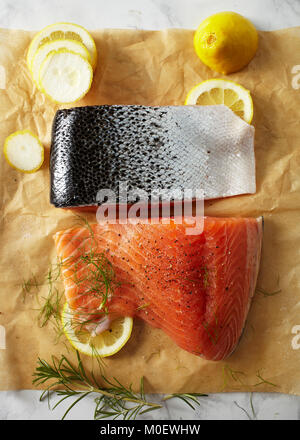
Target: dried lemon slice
220, 91
58, 31
65, 76
42, 53
105, 344
24, 151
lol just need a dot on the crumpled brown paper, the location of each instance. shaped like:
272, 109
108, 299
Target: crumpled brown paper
159, 68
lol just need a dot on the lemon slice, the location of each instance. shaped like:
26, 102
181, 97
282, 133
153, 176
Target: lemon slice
42, 53
220, 91
105, 344
59, 31
24, 151
65, 76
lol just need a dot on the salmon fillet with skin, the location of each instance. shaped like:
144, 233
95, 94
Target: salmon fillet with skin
196, 288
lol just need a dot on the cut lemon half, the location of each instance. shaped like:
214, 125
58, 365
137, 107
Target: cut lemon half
65, 31
42, 53
105, 344
220, 91
24, 151
65, 76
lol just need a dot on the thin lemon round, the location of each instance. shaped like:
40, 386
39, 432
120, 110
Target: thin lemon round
105, 344
226, 42
24, 151
58, 31
65, 76
42, 53
221, 91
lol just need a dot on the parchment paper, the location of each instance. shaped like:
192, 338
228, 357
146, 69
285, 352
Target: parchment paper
159, 68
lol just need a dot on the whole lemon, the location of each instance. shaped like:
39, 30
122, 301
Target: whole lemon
226, 42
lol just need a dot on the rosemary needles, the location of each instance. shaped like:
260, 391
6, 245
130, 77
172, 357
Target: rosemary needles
113, 399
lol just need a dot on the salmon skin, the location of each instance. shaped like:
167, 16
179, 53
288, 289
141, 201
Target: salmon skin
196, 288
158, 152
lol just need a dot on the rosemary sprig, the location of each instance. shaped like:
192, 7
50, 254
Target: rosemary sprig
114, 401
116, 404
188, 398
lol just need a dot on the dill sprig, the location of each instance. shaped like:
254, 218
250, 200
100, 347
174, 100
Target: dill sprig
253, 417
188, 398
100, 276
266, 293
50, 308
212, 330
263, 381
235, 375
49, 305
115, 400
229, 373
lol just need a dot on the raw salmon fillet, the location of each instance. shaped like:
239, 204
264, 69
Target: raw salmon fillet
196, 288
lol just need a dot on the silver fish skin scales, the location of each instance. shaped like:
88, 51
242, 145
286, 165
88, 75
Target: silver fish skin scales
155, 149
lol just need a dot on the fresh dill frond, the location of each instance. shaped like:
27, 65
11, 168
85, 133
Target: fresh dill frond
50, 304
114, 399
205, 277
266, 293
243, 409
29, 284
230, 374
143, 306
252, 407
51, 307
212, 334
253, 417
263, 381
99, 277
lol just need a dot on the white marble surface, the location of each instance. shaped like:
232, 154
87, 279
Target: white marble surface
151, 14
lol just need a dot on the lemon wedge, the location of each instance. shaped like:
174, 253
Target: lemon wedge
65, 76
220, 91
105, 344
24, 151
42, 53
65, 31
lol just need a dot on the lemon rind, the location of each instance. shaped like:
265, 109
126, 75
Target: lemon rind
17, 133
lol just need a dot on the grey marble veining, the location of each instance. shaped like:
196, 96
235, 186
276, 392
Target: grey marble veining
152, 14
